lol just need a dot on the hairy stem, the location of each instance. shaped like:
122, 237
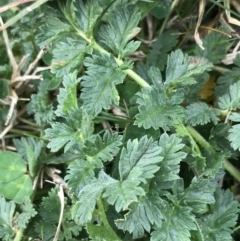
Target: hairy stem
129, 72
199, 138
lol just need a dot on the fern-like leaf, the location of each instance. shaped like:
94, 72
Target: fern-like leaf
142, 216
67, 56
67, 97
99, 91
200, 114
231, 100
77, 129
7, 210
139, 160
177, 226
221, 218
234, 137
182, 69
87, 14
121, 28
102, 149
157, 110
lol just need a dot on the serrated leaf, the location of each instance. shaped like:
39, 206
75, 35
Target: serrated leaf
142, 215
157, 110
177, 226
40, 106
87, 14
67, 56
198, 194
27, 212
102, 149
200, 114
51, 30
122, 194
80, 173
7, 210
172, 155
67, 97
99, 91
231, 100
222, 217
181, 69
78, 128
159, 49
50, 207
82, 210
234, 137
121, 28
215, 46
139, 160
234, 117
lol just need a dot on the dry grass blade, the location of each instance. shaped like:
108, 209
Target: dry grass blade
197, 38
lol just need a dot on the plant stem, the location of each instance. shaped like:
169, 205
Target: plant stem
199, 138
228, 166
232, 170
174, 4
19, 235
105, 221
129, 72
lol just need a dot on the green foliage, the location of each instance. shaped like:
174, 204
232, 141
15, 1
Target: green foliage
200, 114
114, 112
101, 93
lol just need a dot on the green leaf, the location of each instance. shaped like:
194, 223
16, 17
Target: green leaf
27, 212
139, 160
177, 225
215, 46
67, 97
100, 93
234, 117
7, 210
182, 69
222, 217
200, 114
122, 193
172, 155
198, 194
121, 28
80, 173
226, 80
159, 49
100, 233
157, 110
68, 56
87, 14
78, 128
231, 100
52, 29
82, 210
40, 106
142, 215
234, 137
12, 166
103, 149
17, 190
